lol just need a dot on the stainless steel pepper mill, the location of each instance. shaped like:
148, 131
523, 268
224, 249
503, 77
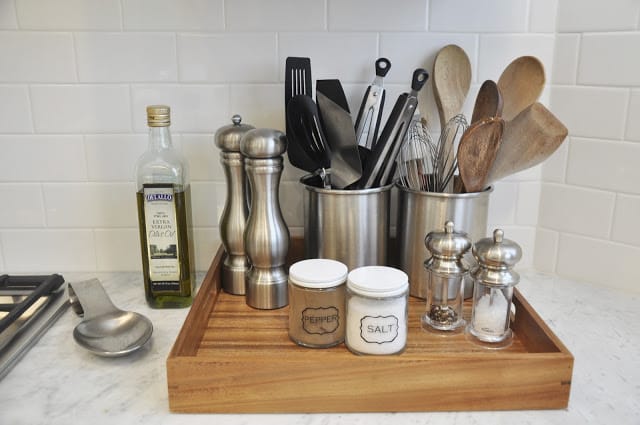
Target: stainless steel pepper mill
266, 237
236, 211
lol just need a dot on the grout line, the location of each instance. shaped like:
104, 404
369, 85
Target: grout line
611, 218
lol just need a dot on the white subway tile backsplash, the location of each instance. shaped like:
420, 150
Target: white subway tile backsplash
206, 241
112, 157
595, 15
260, 105
606, 59
625, 220
8, 19
90, 204
565, 59
36, 158
478, 15
36, 57
81, 108
633, 117
249, 58
554, 169
194, 108
356, 15
122, 57
604, 164
275, 15
15, 110
48, 251
528, 203
118, 249
576, 210
347, 56
590, 111
203, 157
173, 15
546, 250
411, 50
498, 50
542, 16
100, 15
599, 261
22, 205
503, 204
207, 203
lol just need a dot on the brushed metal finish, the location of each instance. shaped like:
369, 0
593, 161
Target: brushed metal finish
422, 212
350, 226
266, 237
232, 224
105, 329
236, 209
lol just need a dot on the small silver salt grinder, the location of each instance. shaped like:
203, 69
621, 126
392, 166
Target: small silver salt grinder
494, 280
447, 272
236, 210
266, 236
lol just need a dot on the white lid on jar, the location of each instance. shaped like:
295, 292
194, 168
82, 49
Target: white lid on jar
378, 281
318, 273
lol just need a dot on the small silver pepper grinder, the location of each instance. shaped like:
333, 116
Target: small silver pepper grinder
266, 236
236, 211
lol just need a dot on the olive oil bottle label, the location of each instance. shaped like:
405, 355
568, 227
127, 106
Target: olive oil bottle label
162, 237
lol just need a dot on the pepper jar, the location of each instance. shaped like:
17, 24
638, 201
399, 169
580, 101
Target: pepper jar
446, 271
494, 280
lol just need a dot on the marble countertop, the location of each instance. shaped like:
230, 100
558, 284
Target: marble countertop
58, 382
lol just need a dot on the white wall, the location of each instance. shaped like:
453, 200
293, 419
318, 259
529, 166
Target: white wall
76, 75
589, 223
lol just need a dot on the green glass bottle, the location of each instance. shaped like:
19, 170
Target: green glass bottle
164, 217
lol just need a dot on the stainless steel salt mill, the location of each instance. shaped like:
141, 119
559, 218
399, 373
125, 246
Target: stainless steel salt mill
446, 271
266, 236
236, 211
494, 280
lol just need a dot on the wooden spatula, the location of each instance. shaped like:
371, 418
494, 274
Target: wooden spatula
477, 151
520, 85
530, 138
488, 102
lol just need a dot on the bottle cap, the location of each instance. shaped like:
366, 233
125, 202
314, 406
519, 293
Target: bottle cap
378, 281
158, 116
318, 273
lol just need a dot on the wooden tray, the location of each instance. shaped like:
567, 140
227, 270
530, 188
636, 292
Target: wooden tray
230, 358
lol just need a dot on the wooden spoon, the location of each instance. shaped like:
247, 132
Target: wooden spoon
477, 151
520, 84
488, 102
530, 138
451, 81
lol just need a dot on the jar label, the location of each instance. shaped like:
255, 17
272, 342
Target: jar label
321, 320
379, 329
162, 237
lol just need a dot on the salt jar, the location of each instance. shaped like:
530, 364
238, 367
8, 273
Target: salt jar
317, 302
494, 280
377, 310
446, 271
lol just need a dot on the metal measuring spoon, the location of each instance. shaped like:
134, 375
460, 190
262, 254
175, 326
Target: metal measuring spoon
105, 329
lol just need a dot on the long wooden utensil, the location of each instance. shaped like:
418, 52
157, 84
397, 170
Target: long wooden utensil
488, 102
530, 138
477, 151
520, 85
451, 81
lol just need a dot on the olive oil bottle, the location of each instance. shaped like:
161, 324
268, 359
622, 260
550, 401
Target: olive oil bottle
164, 217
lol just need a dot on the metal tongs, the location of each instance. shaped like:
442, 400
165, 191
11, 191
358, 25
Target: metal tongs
380, 167
370, 114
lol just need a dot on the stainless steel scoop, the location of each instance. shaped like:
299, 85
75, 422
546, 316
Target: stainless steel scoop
105, 329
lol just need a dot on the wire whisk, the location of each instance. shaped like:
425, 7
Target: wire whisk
426, 165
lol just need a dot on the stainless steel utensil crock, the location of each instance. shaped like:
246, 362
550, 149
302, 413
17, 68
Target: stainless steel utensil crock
350, 226
422, 212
